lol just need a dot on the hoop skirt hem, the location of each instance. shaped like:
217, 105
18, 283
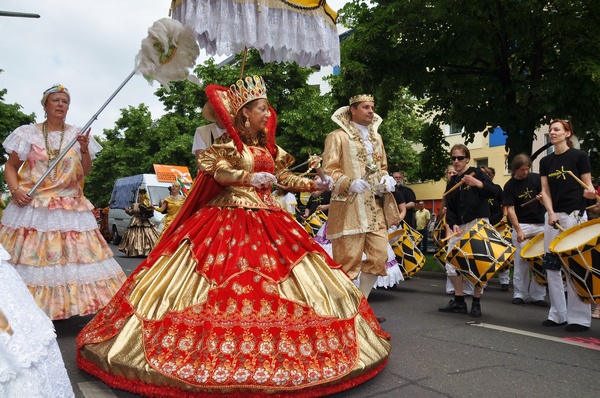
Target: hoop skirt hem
251, 304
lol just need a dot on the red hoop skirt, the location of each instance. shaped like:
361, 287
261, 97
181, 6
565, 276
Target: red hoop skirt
238, 302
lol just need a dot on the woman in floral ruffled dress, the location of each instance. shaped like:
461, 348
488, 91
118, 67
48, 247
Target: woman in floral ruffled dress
52, 236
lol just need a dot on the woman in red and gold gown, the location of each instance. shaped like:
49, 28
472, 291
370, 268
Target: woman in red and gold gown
237, 299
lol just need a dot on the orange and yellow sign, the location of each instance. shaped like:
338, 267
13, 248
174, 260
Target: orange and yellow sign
169, 173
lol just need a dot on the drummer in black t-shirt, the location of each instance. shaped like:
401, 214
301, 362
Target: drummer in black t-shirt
498, 218
465, 206
527, 221
565, 202
410, 199
318, 200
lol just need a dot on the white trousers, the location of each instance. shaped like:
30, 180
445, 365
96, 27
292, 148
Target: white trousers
468, 288
524, 284
571, 309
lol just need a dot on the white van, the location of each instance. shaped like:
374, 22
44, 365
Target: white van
125, 193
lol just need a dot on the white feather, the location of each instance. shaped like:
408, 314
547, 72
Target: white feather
163, 34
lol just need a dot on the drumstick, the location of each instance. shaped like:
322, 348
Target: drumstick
592, 206
457, 185
583, 184
530, 201
557, 225
452, 235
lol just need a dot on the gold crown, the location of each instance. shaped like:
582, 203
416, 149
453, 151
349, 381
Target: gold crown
244, 91
361, 98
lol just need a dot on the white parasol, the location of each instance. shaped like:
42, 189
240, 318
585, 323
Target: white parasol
167, 54
303, 31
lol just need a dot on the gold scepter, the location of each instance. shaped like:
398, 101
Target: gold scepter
370, 168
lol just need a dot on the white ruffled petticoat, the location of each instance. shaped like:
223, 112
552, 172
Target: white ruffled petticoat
279, 31
394, 274
30, 361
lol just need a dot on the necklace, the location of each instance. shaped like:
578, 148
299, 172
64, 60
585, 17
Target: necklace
52, 154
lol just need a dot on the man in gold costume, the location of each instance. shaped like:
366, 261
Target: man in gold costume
362, 206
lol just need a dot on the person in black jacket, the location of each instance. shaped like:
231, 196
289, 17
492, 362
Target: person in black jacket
465, 206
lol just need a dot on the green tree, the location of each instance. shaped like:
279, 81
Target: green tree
11, 117
138, 141
508, 63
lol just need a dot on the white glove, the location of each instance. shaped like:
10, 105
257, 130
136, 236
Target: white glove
389, 183
263, 180
324, 184
359, 186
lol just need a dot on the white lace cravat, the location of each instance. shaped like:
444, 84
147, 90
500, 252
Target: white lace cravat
364, 133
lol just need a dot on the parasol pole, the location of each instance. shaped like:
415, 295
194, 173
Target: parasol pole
18, 14
166, 54
244, 62
82, 132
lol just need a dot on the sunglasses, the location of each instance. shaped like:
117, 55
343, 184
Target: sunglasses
461, 158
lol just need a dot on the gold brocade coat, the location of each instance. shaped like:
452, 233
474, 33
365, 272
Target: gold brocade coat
234, 171
344, 159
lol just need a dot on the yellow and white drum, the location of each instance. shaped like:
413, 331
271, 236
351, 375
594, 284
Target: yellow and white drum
440, 256
409, 257
579, 250
480, 253
439, 233
414, 235
314, 222
505, 232
533, 254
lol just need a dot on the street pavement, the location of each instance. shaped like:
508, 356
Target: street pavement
505, 353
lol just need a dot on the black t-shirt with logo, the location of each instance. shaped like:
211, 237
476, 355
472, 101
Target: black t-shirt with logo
517, 192
567, 194
314, 202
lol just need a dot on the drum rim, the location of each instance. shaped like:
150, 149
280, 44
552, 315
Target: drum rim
530, 243
574, 228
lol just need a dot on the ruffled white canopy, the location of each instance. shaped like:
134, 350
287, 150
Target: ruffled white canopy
303, 31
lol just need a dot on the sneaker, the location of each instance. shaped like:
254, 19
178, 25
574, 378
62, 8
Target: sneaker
540, 303
548, 322
476, 310
519, 301
574, 327
504, 287
454, 307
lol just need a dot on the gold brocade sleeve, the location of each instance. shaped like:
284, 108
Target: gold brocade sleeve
220, 161
288, 179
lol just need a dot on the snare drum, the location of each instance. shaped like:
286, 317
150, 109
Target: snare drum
314, 222
480, 253
414, 235
505, 232
579, 250
409, 257
440, 256
533, 254
439, 233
